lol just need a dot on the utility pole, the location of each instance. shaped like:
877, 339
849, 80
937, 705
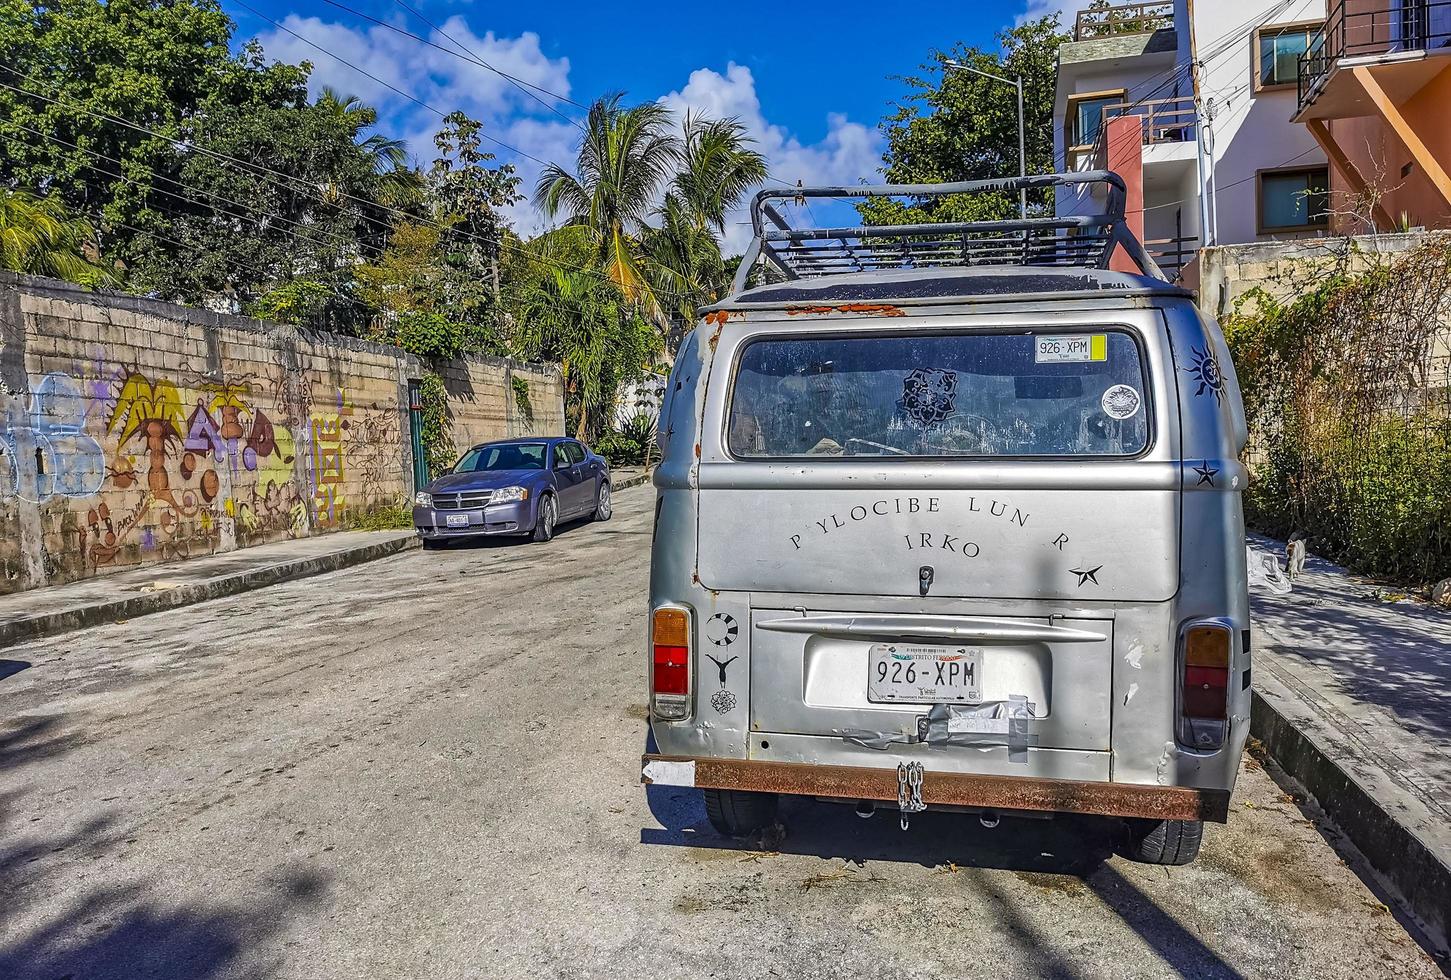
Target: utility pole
1017, 83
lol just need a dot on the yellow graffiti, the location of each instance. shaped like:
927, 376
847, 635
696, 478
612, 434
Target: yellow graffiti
140, 401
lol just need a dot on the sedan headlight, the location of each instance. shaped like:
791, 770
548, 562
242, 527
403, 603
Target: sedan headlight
422, 499
508, 495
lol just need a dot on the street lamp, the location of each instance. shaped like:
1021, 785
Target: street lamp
1017, 83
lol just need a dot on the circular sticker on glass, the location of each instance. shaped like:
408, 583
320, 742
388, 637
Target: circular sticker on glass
1121, 402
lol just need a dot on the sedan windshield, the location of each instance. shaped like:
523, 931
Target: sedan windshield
511, 456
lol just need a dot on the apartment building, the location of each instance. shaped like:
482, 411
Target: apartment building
1374, 90
1194, 104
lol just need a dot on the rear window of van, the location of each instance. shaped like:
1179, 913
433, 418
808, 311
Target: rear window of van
945, 395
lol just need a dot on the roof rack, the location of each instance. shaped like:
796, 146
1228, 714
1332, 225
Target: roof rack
1083, 240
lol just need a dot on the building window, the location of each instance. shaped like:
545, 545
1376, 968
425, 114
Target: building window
1279, 49
1294, 200
1085, 116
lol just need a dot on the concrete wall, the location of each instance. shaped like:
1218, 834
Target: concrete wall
134, 432
1281, 268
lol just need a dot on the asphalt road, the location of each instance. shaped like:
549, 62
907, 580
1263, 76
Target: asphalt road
427, 766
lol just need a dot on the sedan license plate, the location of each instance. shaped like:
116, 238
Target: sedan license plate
456, 520
924, 674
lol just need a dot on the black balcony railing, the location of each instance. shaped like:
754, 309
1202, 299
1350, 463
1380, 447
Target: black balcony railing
1124, 18
1361, 28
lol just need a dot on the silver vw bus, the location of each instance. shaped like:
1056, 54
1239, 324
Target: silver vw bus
949, 516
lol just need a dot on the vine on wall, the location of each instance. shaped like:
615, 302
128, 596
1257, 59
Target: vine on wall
1348, 391
437, 434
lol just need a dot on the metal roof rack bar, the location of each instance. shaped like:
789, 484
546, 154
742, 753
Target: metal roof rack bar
796, 253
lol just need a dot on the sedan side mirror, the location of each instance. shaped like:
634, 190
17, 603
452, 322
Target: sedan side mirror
560, 463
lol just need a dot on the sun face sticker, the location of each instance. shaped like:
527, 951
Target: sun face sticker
929, 396
1205, 370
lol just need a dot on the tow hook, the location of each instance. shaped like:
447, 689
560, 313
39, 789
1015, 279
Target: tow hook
989, 818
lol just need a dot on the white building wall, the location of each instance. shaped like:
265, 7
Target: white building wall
1250, 131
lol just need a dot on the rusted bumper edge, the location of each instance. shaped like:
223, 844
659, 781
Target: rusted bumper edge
943, 788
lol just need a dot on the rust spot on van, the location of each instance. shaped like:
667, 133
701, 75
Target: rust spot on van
719, 317
864, 309
697, 450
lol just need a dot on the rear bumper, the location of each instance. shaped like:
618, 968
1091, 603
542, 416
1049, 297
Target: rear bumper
942, 788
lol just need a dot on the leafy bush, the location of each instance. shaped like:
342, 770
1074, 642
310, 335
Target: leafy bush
1351, 426
629, 444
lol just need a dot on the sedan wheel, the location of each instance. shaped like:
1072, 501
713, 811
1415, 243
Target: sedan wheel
544, 525
603, 506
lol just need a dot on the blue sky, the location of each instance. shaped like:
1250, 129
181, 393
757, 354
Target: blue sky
809, 79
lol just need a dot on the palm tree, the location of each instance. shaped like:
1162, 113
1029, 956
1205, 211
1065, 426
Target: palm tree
39, 236
388, 157
720, 164
625, 159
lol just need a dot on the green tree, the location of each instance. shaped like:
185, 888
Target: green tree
625, 159
718, 166
39, 236
465, 195
574, 314
954, 125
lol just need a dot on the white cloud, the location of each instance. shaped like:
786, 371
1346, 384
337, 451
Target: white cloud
1065, 9
431, 76
848, 154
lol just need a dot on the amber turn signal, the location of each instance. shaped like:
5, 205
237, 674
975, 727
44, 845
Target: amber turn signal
1207, 646
672, 628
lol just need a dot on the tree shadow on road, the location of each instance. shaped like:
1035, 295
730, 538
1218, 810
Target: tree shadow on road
125, 931
128, 927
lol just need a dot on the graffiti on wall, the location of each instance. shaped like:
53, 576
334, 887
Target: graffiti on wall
157, 466
44, 446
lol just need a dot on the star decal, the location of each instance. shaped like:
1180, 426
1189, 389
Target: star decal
1086, 575
1206, 473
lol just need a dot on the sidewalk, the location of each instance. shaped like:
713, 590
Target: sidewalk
153, 588
1353, 699
106, 598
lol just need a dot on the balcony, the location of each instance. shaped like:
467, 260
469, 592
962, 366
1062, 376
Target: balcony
1402, 39
1164, 121
1126, 18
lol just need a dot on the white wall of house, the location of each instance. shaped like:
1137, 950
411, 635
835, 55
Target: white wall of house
1251, 129
1250, 132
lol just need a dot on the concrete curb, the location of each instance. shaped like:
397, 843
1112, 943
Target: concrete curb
185, 595
1384, 830
633, 481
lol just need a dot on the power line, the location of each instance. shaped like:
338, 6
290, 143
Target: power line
304, 186
473, 60
187, 187
479, 58
388, 85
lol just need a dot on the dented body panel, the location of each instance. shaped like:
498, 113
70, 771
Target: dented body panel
1067, 581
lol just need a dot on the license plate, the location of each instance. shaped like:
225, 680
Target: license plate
924, 674
456, 520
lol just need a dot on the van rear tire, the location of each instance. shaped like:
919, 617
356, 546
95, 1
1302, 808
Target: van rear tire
737, 813
1167, 842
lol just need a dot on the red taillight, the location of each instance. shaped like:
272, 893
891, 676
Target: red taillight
1206, 691
1204, 686
670, 664
672, 670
